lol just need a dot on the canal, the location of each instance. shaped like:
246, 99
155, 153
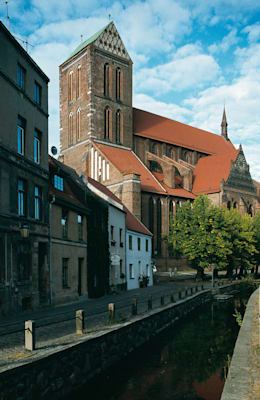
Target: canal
189, 361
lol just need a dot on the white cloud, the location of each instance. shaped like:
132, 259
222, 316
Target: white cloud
224, 45
173, 111
189, 69
253, 32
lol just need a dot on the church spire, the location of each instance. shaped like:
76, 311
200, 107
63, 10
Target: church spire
224, 125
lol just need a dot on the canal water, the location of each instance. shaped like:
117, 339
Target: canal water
189, 361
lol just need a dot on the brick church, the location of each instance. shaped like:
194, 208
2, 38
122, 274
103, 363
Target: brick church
151, 163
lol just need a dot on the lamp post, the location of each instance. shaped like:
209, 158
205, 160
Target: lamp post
24, 231
212, 266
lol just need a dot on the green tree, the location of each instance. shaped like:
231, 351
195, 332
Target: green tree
256, 225
200, 233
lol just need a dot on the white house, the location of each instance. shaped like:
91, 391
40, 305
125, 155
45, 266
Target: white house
139, 271
117, 234
130, 243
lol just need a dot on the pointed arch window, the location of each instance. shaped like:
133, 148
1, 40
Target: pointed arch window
118, 126
107, 123
70, 133
118, 83
78, 124
70, 86
78, 82
106, 80
154, 148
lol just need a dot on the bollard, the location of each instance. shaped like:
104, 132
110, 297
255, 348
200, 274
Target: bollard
111, 312
162, 300
172, 297
150, 303
29, 327
134, 307
80, 322
180, 294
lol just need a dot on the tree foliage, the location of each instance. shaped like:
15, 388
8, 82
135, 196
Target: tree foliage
206, 234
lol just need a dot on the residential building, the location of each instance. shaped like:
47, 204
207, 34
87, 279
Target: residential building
24, 179
151, 163
68, 232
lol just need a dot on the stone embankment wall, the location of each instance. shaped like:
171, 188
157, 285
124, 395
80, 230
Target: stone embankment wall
55, 375
243, 382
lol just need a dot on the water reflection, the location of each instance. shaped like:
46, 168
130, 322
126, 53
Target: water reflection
188, 362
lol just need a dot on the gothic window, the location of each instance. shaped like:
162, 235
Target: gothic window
118, 84
107, 124
78, 82
70, 128
159, 225
106, 80
250, 210
235, 205
78, 124
151, 215
228, 204
170, 152
70, 86
171, 208
154, 148
118, 126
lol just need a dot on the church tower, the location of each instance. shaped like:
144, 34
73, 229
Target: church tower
224, 125
95, 96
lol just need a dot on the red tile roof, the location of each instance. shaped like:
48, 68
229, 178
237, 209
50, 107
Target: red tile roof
132, 222
177, 192
166, 130
211, 170
127, 162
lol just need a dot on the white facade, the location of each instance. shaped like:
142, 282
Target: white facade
138, 259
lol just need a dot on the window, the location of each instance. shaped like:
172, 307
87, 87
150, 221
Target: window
78, 82
65, 272
58, 182
37, 203
118, 126
121, 237
64, 223
21, 197
147, 270
80, 226
70, 136
37, 147
131, 271
139, 243
118, 84
140, 268
20, 135
146, 245
112, 231
78, 124
120, 268
106, 80
107, 122
20, 76
154, 148
70, 86
37, 93
130, 243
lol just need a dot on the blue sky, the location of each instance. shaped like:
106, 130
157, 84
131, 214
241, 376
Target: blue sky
190, 57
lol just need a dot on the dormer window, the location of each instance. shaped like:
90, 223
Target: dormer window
58, 182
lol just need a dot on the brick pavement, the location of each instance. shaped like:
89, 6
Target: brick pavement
55, 327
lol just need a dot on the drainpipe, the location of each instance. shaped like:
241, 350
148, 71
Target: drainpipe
51, 276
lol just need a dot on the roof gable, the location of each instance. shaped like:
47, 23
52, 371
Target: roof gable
240, 175
107, 39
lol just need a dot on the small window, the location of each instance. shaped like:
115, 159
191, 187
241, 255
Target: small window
139, 243
37, 147
58, 182
121, 237
106, 80
64, 223
140, 268
80, 226
20, 135
20, 77
70, 86
65, 272
131, 271
70, 133
78, 83
37, 93
147, 245
118, 84
78, 124
148, 270
107, 123
118, 126
21, 197
112, 232
37, 203
130, 242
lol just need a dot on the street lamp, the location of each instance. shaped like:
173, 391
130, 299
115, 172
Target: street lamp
24, 231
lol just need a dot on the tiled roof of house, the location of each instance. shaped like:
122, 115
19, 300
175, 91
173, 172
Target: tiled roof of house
126, 161
211, 170
132, 223
166, 130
